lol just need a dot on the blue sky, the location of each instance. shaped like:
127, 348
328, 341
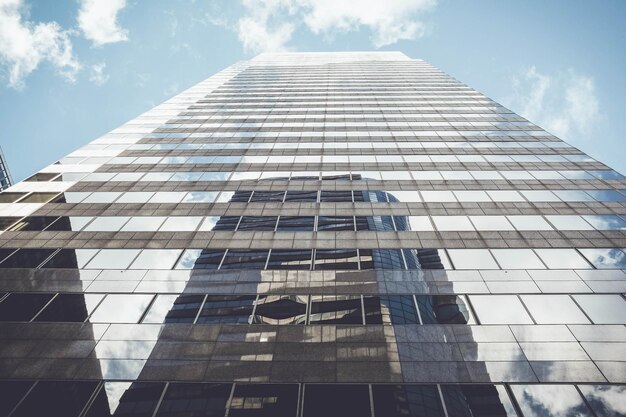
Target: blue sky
71, 70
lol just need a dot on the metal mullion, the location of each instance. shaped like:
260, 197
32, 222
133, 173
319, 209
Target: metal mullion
195, 320
417, 308
158, 405
42, 308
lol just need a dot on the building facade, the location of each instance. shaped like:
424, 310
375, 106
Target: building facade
317, 234
5, 175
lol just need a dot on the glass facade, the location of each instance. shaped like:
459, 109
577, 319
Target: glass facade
317, 234
5, 176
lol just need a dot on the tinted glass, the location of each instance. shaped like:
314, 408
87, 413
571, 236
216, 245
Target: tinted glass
336, 401
336, 309
70, 307
227, 309
290, 259
56, 398
26, 258
22, 306
280, 309
264, 400
390, 309
187, 400
136, 399
550, 400
477, 401
407, 401
606, 400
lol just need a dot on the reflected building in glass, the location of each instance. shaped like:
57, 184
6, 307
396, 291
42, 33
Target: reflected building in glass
5, 176
317, 234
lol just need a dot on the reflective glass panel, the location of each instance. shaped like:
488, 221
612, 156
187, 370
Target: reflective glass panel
22, 306
70, 307
472, 259
407, 401
606, 400
605, 258
280, 309
483, 400
70, 258
121, 308
191, 399
562, 258
499, 309
56, 398
443, 309
227, 309
156, 259
136, 399
517, 259
264, 400
290, 259
603, 309
336, 309
550, 400
113, 259
554, 309
336, 400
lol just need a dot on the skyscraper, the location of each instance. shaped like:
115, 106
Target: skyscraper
5, 175
317, 234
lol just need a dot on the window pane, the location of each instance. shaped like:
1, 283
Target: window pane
160, 308
499, 309
489, 223
143, 224
26, 258
295, 224
70, 258
136, 399
70, 307
472, 259
390, 309
336, 400
264, 400
227, 309
183, 310
113, 259
477, 401
244, 259
121, 308
290, 259
106, 224
407, 401
606, 400
443, 309
336, 259
280, 309
605, 258
336, 309
452, 223
517, 259
181, 224
554, 309
22, 306
529, 223
603, 309
56, 398
192, 399
156, 259
550, 400
569, 223
562, 258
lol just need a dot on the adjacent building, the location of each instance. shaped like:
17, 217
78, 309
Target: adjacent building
317, 234
5, 176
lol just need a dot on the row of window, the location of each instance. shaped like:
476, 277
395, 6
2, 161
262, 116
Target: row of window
314, 259
500, 121
334, 145
484, 134
324, 159
396, 175
313, 223
374, 196
178, 399
491, 309
205, 122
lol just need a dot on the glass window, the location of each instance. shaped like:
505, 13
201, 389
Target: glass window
69, 224
167, 197
606, 400
27, 258
200, 197
603, 309
183, 310
208, 224
143, 224
452, 223
606, 195
100, 197
121, 308
472, 259
336, 400
264, 400
58, 398
193, 399
505, 196
489, 223
540, 195
426, 176
486, 400
336, 309
267, 196
390, 309
70, 307
267, 223
280, 309
32, 223
605, 258
499, 309
138, 399
562, 259
438, 196
550, 400
181, 224
573, 195
404, 196
606, 222
38, 197
529, 223
245, 259
227, 309
200, 259
113, 259
135, 197
22, 306
106, 224
470, 196
336, 259
160, 308
290, 259
295, 224
12, 393
70, 258
9, 197
554, 309
517, 259
419, 223
335, 196
407, 400
156, 259
443, 309
569, 223
310, 196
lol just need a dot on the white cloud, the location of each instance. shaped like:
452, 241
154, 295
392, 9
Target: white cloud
565, 104
268, 25
24, 45
390, 21
98, 21
97, 75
